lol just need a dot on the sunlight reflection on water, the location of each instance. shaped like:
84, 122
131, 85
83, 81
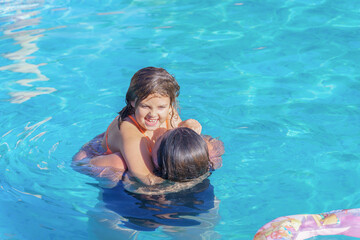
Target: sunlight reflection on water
25, 17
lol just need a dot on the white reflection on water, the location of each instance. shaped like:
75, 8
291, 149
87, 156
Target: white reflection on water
28, 130
23, 15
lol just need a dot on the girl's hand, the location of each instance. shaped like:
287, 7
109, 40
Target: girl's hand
192, 124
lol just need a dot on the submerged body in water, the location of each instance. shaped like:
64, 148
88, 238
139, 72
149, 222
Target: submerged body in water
187, 209
187, 214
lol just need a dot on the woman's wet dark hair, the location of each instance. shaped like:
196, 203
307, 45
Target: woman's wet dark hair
147, 81
182, 155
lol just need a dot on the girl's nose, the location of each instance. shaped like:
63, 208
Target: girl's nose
152, 113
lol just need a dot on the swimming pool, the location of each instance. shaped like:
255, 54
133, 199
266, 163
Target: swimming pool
278, 81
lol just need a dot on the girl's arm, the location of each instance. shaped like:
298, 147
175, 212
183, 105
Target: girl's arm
189, 123
134, 148
192, 124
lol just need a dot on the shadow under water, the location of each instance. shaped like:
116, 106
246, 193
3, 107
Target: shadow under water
190, 214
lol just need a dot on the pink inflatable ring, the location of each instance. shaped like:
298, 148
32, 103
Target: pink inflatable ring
304, 226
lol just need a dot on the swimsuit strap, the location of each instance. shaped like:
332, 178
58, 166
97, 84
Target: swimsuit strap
141, 130
137, 125
108, 151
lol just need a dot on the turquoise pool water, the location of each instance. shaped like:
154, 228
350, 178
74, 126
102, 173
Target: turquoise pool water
277, 81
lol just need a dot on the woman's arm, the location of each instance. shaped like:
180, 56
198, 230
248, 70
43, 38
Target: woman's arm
216, 150
90, 149
114, 160
91, 161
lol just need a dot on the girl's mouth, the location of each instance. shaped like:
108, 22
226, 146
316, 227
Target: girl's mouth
151, 122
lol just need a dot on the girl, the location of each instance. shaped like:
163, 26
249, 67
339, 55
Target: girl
150, 111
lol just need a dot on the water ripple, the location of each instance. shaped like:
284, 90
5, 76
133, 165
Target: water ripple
22, 17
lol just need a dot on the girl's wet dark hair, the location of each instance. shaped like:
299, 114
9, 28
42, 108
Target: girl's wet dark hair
147, 81
182, 155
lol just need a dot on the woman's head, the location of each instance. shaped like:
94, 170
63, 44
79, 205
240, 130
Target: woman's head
150, 81
181, 155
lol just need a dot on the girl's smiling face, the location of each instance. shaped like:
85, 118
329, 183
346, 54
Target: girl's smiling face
152, 112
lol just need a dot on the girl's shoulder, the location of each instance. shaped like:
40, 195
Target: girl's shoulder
128, 129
